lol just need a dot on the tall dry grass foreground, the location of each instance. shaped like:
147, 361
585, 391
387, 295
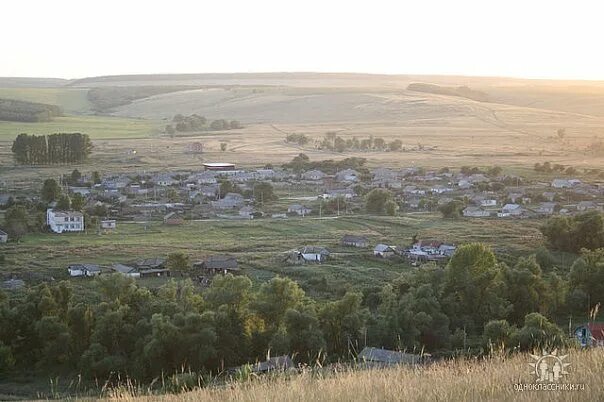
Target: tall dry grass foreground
460, 380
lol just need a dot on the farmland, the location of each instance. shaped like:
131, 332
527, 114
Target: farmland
259, 245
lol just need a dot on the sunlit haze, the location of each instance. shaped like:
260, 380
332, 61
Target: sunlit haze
72, 39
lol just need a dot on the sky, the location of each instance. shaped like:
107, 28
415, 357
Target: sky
81, 38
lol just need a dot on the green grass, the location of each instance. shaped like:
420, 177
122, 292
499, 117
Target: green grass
260, 245
71, 100
97, 127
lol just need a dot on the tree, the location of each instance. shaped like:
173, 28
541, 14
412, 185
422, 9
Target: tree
178, 262
342, 322
376, 200
473, 292
75, 177
223, 146
395, 145
451, 209
390, 207
539, 333
264, 192
499, 333
234, 125
96, 177
77, 202
587, 277
526, 288
575, 233
50, 190
15, 221
64, 203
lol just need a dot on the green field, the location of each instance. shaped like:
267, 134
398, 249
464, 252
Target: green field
260, 246
97, 127
71, 100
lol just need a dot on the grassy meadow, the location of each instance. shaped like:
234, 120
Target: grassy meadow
260, 246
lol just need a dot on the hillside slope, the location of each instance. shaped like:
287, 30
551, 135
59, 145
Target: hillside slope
487, 380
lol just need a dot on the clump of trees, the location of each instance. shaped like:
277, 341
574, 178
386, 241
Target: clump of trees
548, 167
299, 139
61, 148
476, 303
573, 233
29, 112
333, 142
302, 162
196, 122
452, 209
380, 201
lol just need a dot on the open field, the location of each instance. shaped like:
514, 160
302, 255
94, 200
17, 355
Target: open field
459, 380
71, 100
260, 246
97, 127
515, 129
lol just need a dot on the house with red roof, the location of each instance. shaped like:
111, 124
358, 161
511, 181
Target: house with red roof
590, 334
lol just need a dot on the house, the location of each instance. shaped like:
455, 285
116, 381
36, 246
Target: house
314, 253
83, 270
515, 196
149, 263
512, 210
164, 180
126, 270
587, 206
65, 221
299, 210
219, 166
347, 175
247, 212
277, 363
355, 241
546, 208
384, 251
313, 175
549, 195
590, 334
173, 218
413, 190
108, 224
218, 264
230, 201
438, 189
3, 236
475, 212
83, 191
561, 183
381, 357
12, 284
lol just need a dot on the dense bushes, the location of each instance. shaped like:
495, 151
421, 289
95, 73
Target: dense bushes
113, 325
28, 112
573, 233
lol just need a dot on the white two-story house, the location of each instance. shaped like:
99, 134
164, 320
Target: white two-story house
65, 221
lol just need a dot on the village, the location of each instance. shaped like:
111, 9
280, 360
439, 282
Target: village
222, 192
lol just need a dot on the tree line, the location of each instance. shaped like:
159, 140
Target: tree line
28, 112
116, 327
196, 122
62, 148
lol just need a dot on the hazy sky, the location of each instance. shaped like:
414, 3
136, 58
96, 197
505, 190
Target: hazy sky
527, 38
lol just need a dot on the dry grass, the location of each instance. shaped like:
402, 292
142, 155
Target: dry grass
461, 380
